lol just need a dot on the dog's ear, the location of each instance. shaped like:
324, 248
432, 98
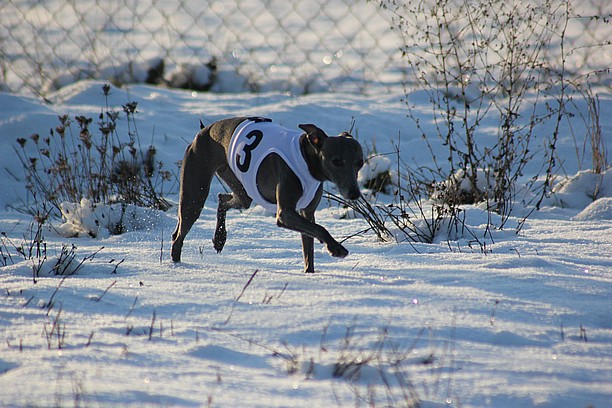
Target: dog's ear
315, 135
201, 125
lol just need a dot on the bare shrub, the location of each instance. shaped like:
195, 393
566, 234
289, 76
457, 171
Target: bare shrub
33, 248
74, 164
412, 216
487, 59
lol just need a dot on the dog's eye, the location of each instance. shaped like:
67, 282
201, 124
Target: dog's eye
337, 162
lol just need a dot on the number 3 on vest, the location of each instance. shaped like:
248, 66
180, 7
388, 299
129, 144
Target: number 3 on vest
256, 135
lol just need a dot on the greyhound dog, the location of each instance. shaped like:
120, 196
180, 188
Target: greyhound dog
281, 169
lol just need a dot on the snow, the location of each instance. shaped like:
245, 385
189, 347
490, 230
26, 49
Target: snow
583, 189
526, 321
373, 167
99, 220
600, 209
479, 318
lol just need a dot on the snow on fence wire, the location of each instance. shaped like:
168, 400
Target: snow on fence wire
225, 45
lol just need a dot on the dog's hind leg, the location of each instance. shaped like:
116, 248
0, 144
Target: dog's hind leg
308, 243
195, 185
237, 199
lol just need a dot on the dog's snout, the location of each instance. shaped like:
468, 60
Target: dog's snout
353, 194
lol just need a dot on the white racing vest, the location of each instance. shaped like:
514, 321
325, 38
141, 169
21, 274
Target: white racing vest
255, 139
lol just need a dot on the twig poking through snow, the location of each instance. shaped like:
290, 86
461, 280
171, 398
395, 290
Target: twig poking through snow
105, 291
247, 284
152, 326
131, 308
49, 304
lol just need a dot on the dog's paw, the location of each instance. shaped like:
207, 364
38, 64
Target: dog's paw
218, 246
176, 253
219, 240
337, 250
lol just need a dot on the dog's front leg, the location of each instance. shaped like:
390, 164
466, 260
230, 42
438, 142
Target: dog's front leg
290, 219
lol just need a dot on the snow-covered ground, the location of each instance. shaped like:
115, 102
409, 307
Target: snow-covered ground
528, 322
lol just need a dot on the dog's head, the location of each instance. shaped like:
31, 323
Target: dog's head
339, 159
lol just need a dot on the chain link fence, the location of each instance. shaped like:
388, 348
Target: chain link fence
291, 45
298, 46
